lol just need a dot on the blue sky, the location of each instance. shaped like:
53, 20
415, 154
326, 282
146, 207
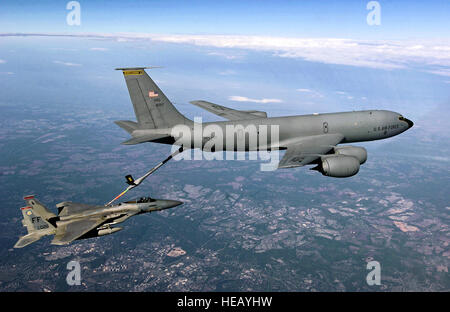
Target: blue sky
288, 57
307, 18
59, 70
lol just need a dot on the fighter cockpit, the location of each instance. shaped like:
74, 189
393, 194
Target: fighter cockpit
145, 200
141, 200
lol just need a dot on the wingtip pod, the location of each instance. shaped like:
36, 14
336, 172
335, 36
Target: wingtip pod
26, 197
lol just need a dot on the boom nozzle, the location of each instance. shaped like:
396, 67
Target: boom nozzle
130, 180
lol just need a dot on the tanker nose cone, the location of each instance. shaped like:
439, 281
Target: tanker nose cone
409, 122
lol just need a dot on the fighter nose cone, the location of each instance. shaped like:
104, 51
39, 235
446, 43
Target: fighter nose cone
170, 203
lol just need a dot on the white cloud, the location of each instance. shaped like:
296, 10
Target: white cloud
441, 72
426, 55
348, 96
7, 73
310, 92
228, 56
99, 49
2, 61
385, 54
238, 98
66, 63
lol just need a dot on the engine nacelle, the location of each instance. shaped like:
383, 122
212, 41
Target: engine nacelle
338, 166
359, 152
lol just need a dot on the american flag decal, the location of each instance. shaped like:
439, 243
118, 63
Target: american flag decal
152, 94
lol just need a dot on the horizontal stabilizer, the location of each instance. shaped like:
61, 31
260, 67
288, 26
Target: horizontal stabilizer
143, 139
127, 125
27, 240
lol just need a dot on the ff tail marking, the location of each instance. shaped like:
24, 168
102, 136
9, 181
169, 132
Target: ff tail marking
36, 218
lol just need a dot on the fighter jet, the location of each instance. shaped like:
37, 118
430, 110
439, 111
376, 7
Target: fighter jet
307, 139
79, 221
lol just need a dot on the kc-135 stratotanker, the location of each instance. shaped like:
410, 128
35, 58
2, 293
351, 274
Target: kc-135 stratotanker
308, 139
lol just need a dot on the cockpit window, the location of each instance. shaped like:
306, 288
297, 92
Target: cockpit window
141, 200
401, 118
145, 200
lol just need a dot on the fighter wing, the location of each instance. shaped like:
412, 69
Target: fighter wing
308, 149
228, 113
69, 232
68, 208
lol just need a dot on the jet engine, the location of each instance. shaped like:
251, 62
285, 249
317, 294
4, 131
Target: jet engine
359, 152
338, 166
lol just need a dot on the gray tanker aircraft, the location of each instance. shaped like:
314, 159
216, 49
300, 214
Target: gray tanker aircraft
79, 221
307, 139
